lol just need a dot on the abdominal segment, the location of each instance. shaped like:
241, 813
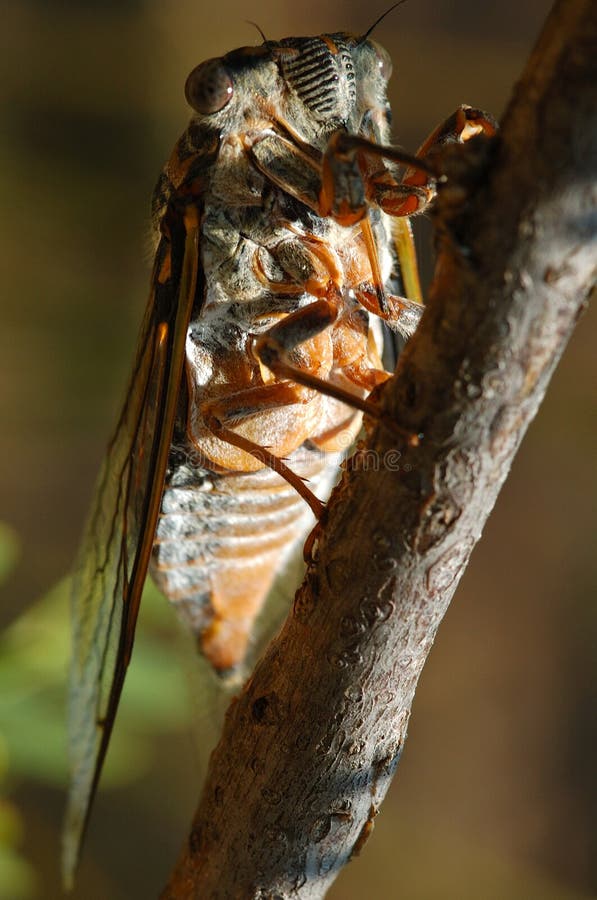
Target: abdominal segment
220, 542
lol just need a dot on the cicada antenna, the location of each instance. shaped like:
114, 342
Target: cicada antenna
380, 19
255, 25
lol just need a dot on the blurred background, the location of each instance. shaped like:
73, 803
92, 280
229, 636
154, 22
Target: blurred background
493, 795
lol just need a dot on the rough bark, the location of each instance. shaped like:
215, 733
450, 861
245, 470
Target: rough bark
309, 748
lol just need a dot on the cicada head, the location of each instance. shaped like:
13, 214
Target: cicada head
315, 84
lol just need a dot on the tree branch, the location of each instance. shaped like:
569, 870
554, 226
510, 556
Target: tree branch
309, 748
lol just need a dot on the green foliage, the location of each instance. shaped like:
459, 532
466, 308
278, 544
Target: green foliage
33, 671
34, 654
18, 876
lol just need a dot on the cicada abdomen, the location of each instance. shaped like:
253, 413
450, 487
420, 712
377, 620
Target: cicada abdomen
221, 541
280, 218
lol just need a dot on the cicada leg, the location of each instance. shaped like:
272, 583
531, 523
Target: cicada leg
352, 174
413, 192
336, 185
274, 347
219, 413
347, 156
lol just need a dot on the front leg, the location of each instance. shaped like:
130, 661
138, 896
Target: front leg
334, 184
352, 174
348, 155
413, 192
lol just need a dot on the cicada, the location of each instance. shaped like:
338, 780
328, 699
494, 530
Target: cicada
282, 242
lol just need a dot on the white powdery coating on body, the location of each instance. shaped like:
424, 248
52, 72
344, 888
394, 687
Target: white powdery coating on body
232, 526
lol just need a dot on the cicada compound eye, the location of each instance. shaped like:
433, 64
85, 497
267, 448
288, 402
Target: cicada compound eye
209, 87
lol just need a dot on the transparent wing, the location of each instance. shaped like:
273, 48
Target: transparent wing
114, 554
